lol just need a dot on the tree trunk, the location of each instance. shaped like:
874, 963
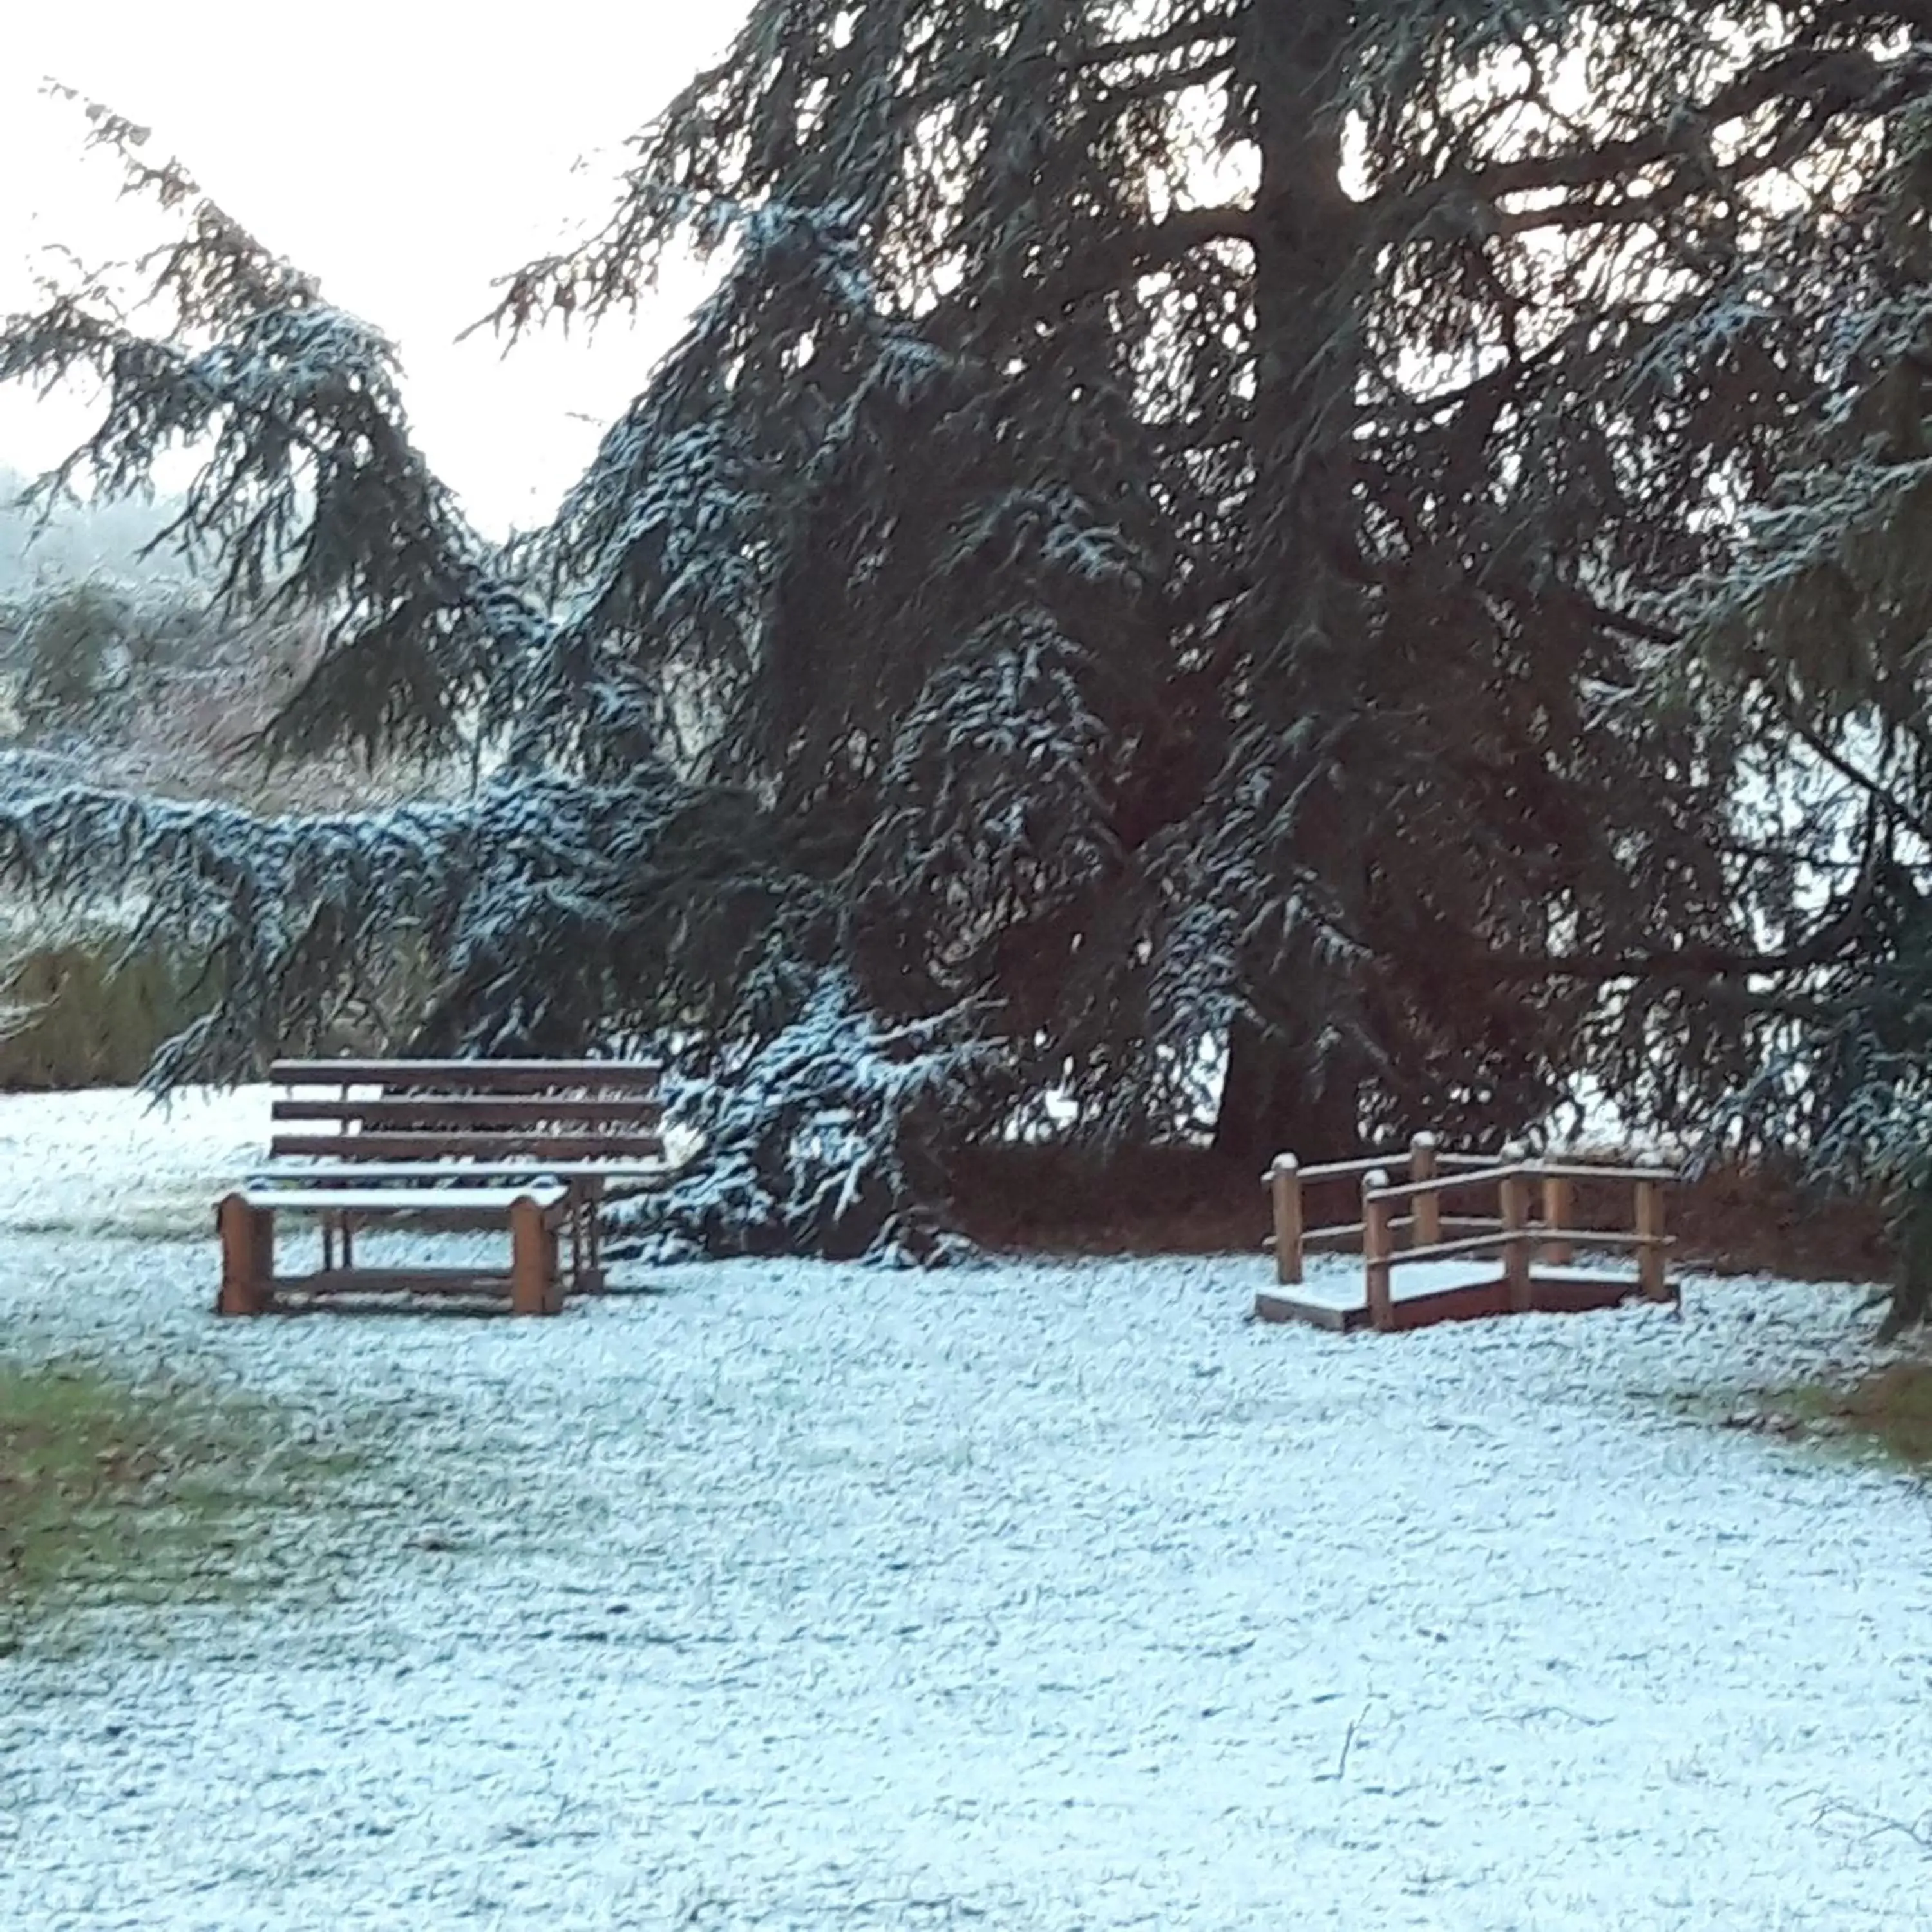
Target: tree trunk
1271, 1104
1297, 1087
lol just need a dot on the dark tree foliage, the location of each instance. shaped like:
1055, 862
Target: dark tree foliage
1174, 539
1813, 630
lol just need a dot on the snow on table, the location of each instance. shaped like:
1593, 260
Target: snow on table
1034, 1597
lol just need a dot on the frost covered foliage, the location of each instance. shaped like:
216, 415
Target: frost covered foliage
824, 1137
1845, 1087
1812, 630
1324, 394
310, 495
148, 684
295, 916
1165, 539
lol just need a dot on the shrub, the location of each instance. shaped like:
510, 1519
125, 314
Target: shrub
81, 1015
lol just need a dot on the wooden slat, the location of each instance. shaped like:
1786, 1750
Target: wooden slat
1447, 1184
1607, 1237
1474, 1302
1581, 1295
504, 1076
1349, 1230
473, 1111
375, 1174
397, 1281
455, 1146
1283, 1306
1346, 1170
1470, 1301
1572, 1170
1340, 1230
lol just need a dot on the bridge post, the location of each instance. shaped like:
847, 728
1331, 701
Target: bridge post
1515, 1190
1426, 1229
1284, 1183
1377, 1246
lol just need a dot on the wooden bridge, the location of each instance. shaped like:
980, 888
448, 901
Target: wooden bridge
1421, 1264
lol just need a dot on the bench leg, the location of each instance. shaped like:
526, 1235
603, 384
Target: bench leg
533, 1274
248, 1256
560, 1284
592, 1280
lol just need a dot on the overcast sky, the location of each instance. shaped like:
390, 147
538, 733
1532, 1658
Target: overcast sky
406, 151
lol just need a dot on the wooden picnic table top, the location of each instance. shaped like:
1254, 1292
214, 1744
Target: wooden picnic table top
402, 1200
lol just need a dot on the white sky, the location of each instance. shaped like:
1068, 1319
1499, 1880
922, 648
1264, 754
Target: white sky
406, 151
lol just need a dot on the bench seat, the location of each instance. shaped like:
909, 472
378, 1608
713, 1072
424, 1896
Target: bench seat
534, 1214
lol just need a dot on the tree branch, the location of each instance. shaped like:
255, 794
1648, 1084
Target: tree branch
1879, 793
1142, 250
1188, 34
1697, 962
1834, 81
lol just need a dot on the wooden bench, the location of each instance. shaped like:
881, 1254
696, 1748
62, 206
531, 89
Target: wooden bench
531, 1144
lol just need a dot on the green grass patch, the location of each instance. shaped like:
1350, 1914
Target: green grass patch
1891, 1409
112, 1493
84, 1014
1887, 1413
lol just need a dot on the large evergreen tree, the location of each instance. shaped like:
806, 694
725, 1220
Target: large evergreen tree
1814, 630
1159, 550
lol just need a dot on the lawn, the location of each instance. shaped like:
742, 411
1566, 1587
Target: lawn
115, 1491
1891, 1409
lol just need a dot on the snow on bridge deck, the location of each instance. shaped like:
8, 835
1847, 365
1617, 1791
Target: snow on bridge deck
1336, 1295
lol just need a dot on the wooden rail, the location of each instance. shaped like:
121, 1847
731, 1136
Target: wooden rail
1286, 1179
541, 1076
1447, 1183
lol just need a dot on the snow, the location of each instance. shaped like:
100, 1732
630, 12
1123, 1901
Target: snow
1046, 1595
112, 1161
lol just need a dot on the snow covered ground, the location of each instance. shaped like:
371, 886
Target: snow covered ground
1044, 1596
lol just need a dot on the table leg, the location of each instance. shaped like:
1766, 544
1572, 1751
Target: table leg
248, 1256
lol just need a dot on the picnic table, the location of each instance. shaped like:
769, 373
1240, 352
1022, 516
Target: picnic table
531, 1146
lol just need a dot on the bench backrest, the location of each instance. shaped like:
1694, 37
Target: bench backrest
393, 1110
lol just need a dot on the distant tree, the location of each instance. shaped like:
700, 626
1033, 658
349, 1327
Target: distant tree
1159, 551
80, 539
144, 684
